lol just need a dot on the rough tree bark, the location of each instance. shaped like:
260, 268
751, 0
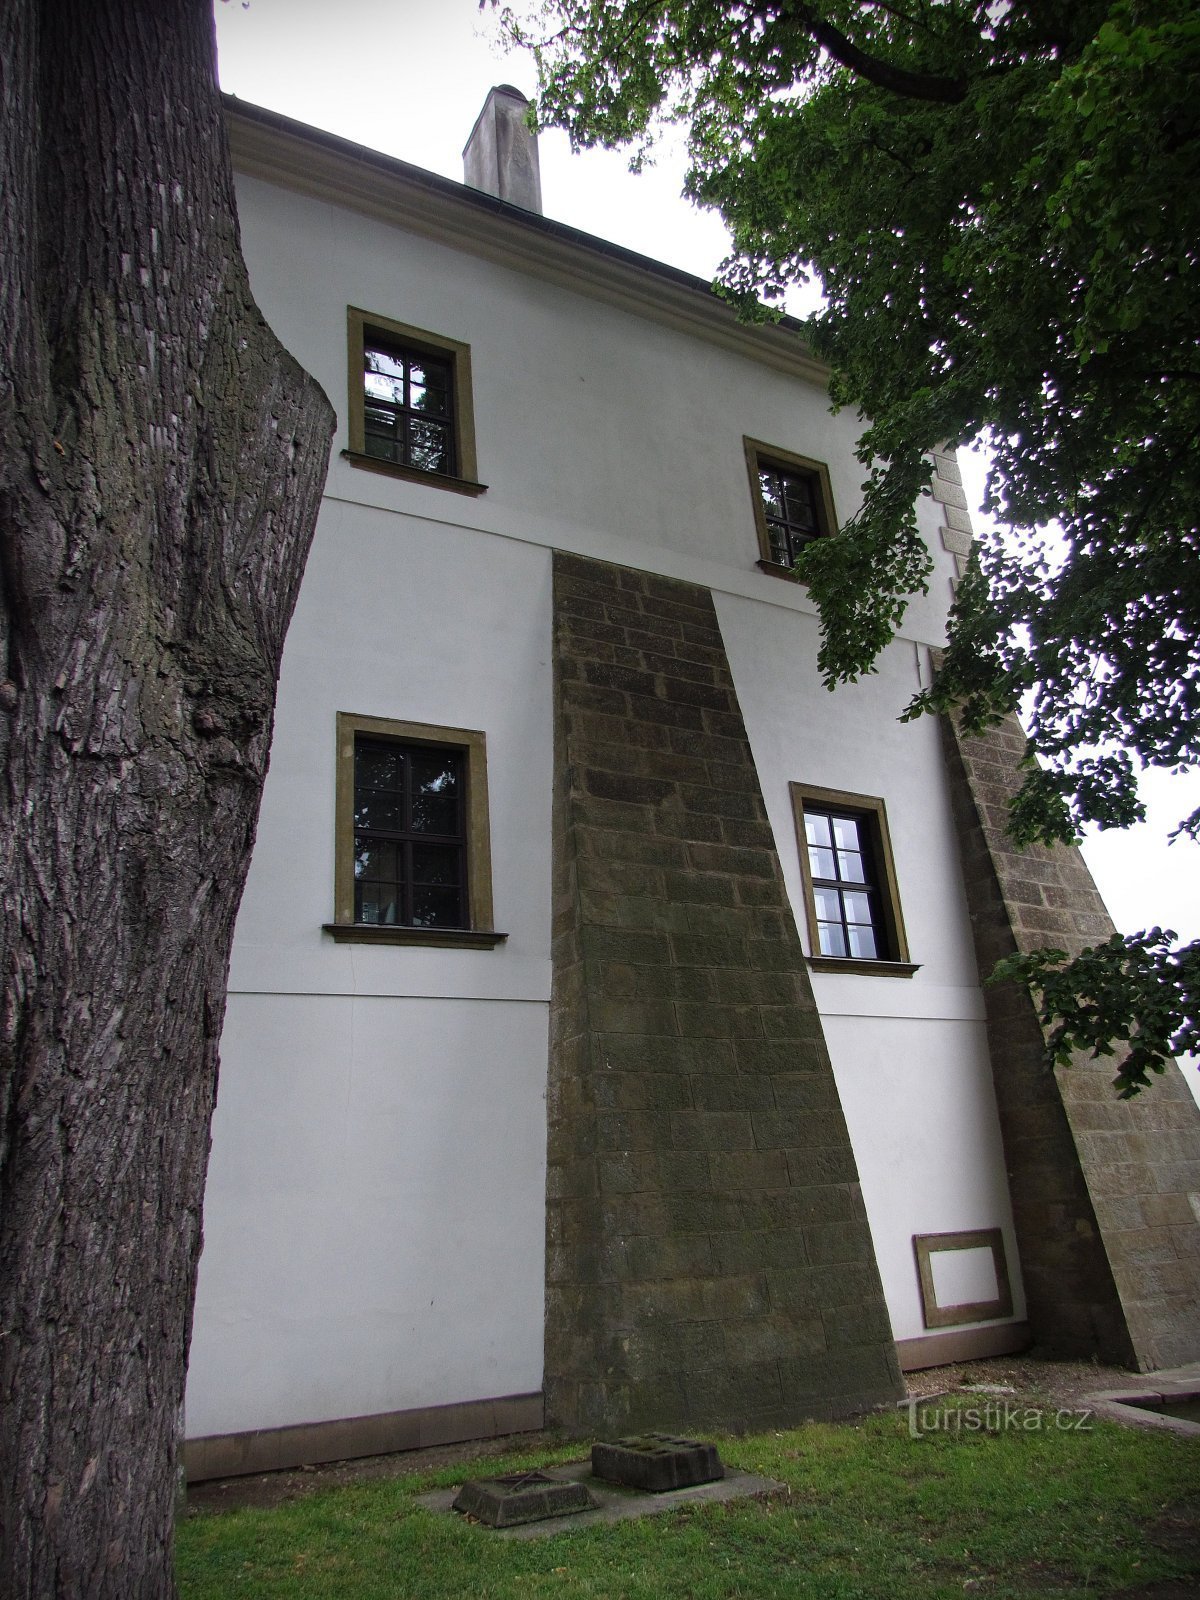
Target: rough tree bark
161, 461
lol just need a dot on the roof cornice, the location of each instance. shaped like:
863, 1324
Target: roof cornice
310, 161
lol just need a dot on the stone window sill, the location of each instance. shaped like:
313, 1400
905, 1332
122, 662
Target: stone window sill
444, 938
875, 969
436, 480
774, 569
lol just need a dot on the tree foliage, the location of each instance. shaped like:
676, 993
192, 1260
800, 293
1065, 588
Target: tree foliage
1000, 205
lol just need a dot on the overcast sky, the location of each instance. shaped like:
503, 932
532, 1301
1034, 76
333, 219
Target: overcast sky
408, 77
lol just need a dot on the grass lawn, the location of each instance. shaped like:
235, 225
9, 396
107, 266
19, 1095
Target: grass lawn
870, 1514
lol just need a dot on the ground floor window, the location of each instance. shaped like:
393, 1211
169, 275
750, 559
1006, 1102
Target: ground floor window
413, 853
851, 898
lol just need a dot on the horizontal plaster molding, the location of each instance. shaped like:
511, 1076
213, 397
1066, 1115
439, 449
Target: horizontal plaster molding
539, 533
845, 995
350, 972
311, 162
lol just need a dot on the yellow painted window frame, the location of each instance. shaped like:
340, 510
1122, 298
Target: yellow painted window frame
926, 1245
758, 455
360, 327
480, 934
897, 964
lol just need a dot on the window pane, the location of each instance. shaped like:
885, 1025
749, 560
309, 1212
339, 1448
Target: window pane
375, 903
820, 863
780, 548
845, 833
437, 908
833, 938
384, 363
383, 378
816, 828
850, 866
379, 810
429, 391
798, 500
380, 423
435, 864
428, 444
858, 907
772, 500
435, 791
862, 942
829, 905
378, 765
382, 390
376, 861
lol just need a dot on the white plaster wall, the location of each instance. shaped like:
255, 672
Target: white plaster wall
375, 1214
598, 431
919, 1105
422, 623
374, 1220
909, 1054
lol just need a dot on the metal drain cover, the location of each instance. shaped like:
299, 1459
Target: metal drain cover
520, 1497
656, 1462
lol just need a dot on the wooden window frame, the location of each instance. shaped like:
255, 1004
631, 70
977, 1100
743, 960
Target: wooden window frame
479, 934
938, 1316
760, 456
365, 327
871, 810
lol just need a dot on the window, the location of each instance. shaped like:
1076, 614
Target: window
854, 919
792, 504
413, 863
410, 404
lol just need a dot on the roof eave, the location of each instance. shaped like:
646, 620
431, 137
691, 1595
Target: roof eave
310, 161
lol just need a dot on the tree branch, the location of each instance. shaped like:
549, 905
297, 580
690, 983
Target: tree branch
897, 80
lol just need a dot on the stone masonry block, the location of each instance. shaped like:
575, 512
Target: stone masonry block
656, 1171
946, 467
955, 540
950, 494
712, 1130
958, 517
749, 1169
701, 1020
731, 1092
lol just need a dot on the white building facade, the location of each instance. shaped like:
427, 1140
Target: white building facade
375, 1262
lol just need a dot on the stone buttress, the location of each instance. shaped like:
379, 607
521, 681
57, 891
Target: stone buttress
1105, 1192
709, 1261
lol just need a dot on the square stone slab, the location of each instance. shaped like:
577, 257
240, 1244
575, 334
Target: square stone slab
520, 1497
656, 1462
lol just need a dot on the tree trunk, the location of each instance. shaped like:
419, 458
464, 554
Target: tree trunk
161, 462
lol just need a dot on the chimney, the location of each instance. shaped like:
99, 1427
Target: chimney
501, 156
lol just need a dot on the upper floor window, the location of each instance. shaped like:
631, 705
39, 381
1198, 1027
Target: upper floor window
409, 834
851, 898
412, 851
792, 503
410, 403
408, 408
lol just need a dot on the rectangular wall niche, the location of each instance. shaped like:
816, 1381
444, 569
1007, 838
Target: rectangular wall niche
964, 1277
